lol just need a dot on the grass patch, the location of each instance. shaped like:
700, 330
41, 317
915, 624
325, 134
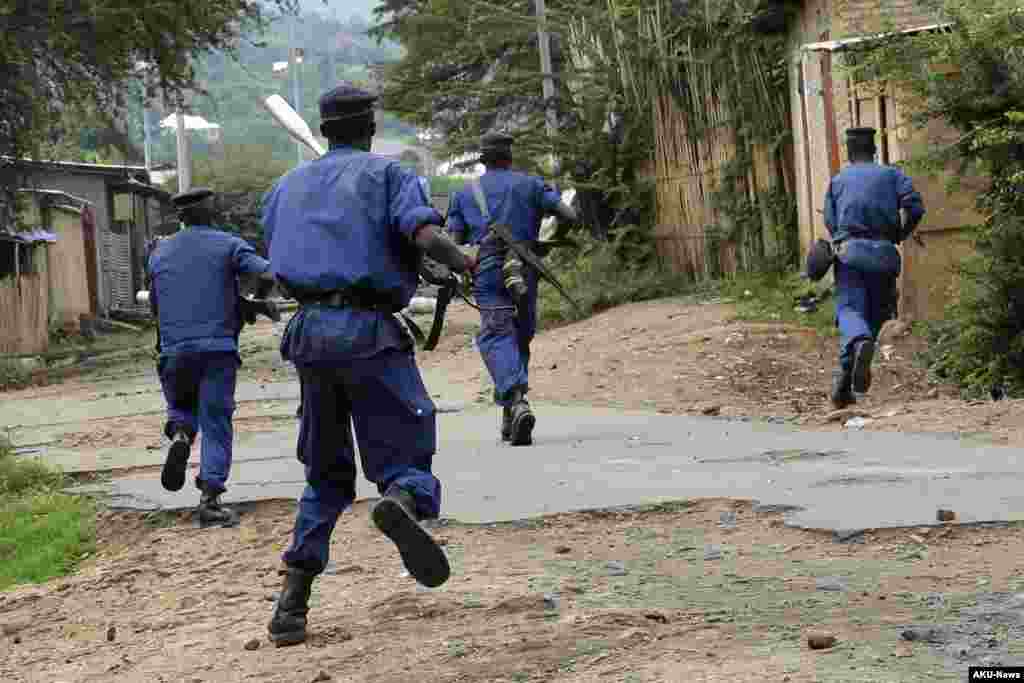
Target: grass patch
43, 532
772, 297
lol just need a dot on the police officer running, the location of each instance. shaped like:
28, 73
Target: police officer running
869, 209
504, 288
194, 293
347, 233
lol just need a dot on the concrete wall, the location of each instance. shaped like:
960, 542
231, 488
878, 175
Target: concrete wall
94, 189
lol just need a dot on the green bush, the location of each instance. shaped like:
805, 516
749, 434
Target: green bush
597, 279
43, 536
22, 475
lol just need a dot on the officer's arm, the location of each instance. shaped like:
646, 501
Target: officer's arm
419, 222
911, 205
247, 262
457, 227
438, 246
551, 202
266, 212
830, 211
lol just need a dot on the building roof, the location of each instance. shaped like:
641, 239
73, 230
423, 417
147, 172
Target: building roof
836, 45
115, 170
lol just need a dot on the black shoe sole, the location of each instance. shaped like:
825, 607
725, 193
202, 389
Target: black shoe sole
421, 554
287, 638
522, 430
173, 474
862, 367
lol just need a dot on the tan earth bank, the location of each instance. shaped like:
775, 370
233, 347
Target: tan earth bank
707, 591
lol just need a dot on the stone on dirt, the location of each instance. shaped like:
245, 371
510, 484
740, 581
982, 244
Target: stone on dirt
563, 550
712, 552
820, 641
111, 634
830, 583
928, 634
616, 568
945, 515
252, 644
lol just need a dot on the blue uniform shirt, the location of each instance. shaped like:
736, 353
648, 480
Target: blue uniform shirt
515, 199
865, 199
346, 221
194, 277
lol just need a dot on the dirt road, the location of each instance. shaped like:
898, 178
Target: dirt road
709, 591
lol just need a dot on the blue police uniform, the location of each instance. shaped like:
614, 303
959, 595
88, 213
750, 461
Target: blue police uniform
345, 223
194, 277
519, 201
862, 214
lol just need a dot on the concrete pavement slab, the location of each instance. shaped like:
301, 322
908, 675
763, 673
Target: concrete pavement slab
587, 458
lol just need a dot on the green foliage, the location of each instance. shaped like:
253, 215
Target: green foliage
774, 296
980, 345
598, 280
24, 475
69, 53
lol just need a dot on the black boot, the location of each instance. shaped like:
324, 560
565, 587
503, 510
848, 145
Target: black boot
506, 423
395, 516
212, 512
523, 420
863, 354
842, 394
288, 624
172, 477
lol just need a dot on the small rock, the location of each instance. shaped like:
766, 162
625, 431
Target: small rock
321, 677
820, 641
711, 410
830, 583
16, 640
111, 634
11, 628
848, 535
857, 422
934, 393
959, 650
616, 568
563, 550
550, 601
554, 366
844, 414
253, 644
945, 515
928, 634
935, 600
727, 520
916, 539
712, 552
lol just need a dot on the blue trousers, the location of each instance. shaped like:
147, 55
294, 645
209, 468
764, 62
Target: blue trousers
505, 336
200, 392
864, 302
384, 399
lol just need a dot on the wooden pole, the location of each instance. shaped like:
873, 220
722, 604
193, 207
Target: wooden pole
544, 42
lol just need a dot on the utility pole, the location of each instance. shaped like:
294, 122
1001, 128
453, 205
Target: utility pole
294, 64
184, 153
544, 42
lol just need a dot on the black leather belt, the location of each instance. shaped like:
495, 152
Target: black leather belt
344, 300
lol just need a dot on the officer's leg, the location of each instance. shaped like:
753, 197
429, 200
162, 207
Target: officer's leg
216, 408
855, 338
179, 378
501, 348
395, 426
326, 449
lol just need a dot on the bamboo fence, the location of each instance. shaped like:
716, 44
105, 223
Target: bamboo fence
24, 313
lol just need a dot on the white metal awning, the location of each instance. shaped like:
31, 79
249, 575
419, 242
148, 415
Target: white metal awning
835, 45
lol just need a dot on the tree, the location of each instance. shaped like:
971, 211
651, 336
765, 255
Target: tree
61, 55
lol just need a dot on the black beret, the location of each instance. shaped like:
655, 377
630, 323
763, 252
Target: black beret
191, 197
860, 133
346, 102
496, 141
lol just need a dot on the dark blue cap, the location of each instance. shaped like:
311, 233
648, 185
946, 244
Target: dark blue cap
497, 141
191, 197
346, 102
860, 134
